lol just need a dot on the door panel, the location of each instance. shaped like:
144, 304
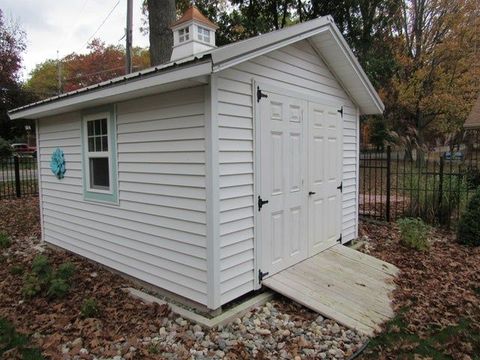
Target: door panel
324, 176
282, 172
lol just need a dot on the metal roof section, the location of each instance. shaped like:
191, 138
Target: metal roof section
171, 76
193, 13
321, 33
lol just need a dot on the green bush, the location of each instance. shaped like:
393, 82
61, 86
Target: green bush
468, 232
32, 285
65, 271
41, 267
5, 148
11, 339
89, 308
5, 241
44, 280
58, 288
414, 233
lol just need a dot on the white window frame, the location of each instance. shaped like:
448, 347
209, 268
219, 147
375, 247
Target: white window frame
184, 34
202, 34
98, 154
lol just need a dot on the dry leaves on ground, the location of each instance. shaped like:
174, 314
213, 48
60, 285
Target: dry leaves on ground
436, 288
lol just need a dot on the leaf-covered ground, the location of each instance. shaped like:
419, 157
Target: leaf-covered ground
125, 328
437, 299
437, 303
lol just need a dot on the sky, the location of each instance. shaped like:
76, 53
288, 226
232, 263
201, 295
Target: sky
66, 26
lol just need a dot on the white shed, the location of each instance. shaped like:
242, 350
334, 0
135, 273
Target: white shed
201, 175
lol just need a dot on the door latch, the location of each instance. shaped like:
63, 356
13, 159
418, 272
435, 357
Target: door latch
310, 193
260, 94
261, 203
261, 275
340, 187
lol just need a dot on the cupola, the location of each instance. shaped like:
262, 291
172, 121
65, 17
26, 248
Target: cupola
193, 33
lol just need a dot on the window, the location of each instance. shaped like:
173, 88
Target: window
99, 156
183, 34
97, 133
203, 34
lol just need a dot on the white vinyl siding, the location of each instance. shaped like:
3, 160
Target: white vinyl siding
157, 232
300, 69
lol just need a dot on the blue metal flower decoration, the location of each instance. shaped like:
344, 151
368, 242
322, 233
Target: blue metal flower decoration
58, 163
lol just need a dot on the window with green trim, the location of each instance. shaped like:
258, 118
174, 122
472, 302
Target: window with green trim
99, 156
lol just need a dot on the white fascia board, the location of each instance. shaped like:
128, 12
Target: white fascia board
233, 54
362, 77
169, 80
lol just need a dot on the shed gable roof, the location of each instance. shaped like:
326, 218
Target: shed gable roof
321, 33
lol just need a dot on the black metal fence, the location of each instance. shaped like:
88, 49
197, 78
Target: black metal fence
436, 189
18, 177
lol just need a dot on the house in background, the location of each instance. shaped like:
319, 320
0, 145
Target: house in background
473, 120
208, 174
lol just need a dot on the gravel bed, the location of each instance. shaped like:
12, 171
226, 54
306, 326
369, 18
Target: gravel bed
279, 330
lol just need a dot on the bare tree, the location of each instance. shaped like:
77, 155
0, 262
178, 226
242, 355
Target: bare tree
161, 14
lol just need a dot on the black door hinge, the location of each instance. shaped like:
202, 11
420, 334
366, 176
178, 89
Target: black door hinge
261, 203
340, 187
341, 111
260, 94
339, 240
261, 275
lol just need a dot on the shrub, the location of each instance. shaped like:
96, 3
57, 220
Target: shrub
89, 308
11, 339
58, 288
5, 241
472, 176
43, 279
41, 267
468, 232
414, 233
65, 271
32, 285
5, 148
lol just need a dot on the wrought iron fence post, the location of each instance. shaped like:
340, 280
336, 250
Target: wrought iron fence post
389, 181
16, 164
440, 189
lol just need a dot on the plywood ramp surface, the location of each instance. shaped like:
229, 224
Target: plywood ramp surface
342, 284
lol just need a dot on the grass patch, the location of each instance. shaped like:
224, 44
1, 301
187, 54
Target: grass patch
10, 339
17, 270
435, 345
5, 241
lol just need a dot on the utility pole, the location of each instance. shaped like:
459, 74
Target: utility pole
128, 48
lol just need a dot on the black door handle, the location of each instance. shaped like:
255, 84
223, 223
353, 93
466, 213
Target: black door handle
261, 202
310, 193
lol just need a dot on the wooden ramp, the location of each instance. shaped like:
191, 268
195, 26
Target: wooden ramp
342, 284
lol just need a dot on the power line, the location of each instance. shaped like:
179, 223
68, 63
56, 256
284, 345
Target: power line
100, 26
72, 28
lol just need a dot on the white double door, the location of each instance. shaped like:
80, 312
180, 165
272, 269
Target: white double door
300, 164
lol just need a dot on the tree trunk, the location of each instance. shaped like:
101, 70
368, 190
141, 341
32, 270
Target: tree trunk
161, 14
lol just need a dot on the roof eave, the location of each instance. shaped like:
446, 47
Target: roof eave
169, 78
